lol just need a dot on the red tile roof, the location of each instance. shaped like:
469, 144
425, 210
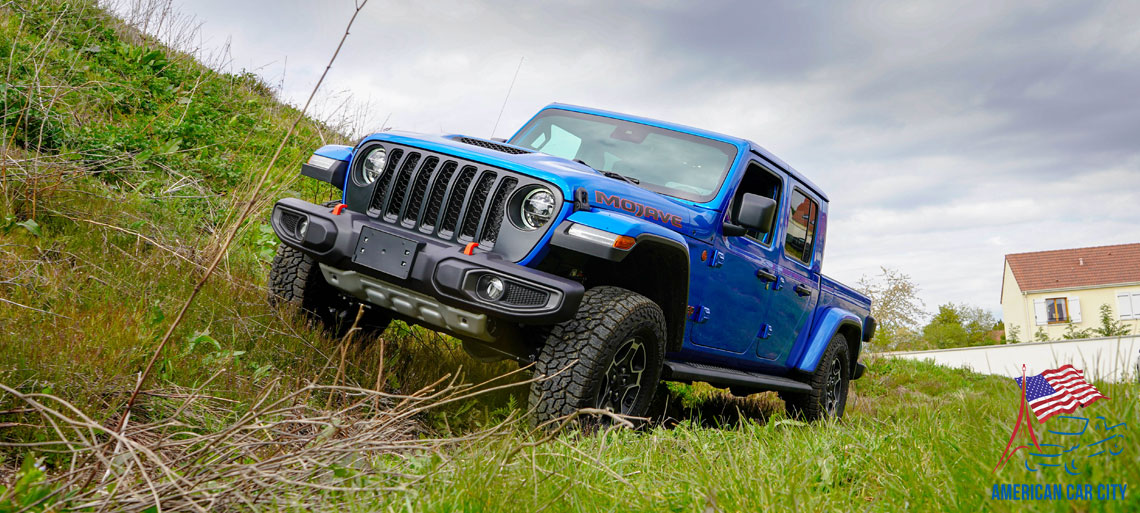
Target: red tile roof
1075, 268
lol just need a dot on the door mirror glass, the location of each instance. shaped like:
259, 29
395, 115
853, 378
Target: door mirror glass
756, 212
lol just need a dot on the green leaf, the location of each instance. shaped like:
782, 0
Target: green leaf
201, 338
155, 316
32, 227
261, 371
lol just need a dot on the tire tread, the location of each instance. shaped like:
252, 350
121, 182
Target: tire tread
577, 348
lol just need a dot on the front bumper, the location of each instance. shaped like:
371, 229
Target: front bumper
416, 269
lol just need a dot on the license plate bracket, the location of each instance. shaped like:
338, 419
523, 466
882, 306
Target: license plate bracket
385, 252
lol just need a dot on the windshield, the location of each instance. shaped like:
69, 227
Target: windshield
666, 161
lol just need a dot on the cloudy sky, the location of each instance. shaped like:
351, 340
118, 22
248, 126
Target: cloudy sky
947, 134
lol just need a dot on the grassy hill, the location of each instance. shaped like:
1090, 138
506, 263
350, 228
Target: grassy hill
122, 161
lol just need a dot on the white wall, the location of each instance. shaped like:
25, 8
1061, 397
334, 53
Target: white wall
1102, 359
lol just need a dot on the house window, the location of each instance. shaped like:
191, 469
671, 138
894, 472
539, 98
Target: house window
1057, 310
1128, 305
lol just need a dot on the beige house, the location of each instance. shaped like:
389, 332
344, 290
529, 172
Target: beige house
1051, 290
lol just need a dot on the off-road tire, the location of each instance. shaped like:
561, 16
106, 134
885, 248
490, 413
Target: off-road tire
812, 406
579, 352
295, 279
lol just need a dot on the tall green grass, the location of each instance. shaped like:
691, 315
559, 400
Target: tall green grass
917, 437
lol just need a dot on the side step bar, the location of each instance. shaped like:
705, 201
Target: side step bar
723, 376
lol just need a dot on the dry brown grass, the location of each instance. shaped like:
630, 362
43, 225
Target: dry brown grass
282, 452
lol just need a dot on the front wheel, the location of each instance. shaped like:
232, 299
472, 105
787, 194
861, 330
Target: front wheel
295, 279
829, 384
609, 356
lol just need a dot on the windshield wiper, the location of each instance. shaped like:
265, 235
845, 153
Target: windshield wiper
622, 177
611, 174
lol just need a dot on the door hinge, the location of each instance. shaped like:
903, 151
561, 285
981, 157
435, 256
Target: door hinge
716, 258
699, 314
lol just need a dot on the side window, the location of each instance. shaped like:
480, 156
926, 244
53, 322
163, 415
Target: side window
801, 227
760, 181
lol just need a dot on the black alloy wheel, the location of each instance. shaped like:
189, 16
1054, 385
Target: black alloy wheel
830, 383
621, 383
834, 388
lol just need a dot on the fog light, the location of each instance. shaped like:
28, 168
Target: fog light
302, 228
491, 287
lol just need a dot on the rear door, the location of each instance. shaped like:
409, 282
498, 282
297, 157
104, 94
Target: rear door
797, 291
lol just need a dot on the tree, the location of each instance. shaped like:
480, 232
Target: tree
1110, 327
958, 326
895, 305
945, 329
1041, 336
1014, 335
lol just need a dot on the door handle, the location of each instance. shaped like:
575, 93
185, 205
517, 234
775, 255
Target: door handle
802, 290
765, 274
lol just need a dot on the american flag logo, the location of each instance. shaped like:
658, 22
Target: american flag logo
1058, 391
1050, 393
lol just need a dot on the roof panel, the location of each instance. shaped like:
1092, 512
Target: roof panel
1075, 268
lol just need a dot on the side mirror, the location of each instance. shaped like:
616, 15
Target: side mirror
733, 230
756, 212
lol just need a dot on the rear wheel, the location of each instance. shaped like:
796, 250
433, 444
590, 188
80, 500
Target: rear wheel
609, 356
295, 279
830, 383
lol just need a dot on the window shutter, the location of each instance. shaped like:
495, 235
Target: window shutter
1075, 309
1042, 317
1124, 306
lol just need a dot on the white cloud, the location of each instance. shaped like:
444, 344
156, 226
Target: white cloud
946, 134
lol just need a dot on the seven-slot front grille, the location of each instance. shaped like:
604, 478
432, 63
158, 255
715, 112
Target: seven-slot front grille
441, 195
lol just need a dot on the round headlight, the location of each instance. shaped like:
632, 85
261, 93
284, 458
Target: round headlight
373, 165
537, 208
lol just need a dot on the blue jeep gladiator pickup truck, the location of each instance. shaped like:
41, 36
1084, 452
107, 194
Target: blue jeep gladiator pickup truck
611, 251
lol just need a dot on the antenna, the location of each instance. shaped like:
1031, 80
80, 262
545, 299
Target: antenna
509, 89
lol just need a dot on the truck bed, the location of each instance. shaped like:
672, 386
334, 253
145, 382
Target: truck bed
833, 293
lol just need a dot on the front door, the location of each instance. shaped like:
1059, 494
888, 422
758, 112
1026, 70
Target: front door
735, 295
738, 290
